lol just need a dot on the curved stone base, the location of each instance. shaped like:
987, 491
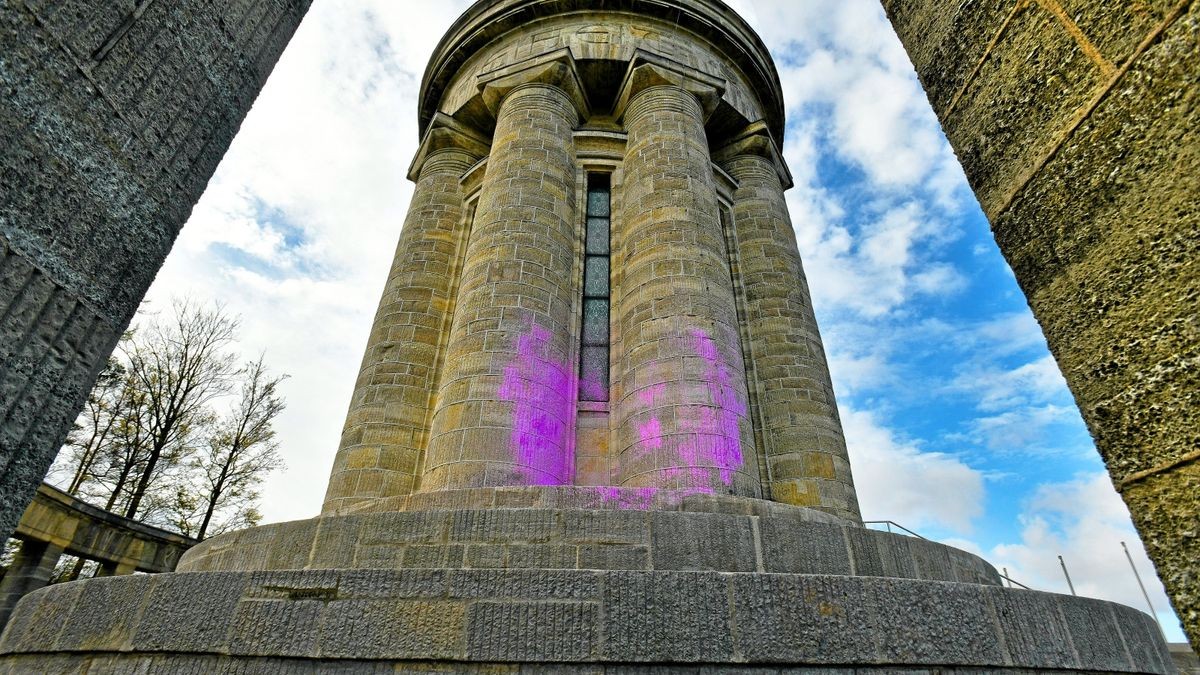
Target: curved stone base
780, 539
565, 621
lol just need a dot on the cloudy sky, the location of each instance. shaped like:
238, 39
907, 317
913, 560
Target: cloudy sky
959, 423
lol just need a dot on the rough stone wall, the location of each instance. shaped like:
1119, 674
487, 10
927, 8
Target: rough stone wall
680, 384
1077, 124
113, 117
802, 436
505, 409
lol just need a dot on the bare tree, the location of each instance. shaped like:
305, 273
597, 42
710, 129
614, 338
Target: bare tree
240, 452
151, 443
181, 367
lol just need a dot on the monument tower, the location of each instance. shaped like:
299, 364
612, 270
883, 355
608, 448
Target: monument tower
594, 428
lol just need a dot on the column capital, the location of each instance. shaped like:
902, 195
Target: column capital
647, 69
447, 133
755, 141
556, 69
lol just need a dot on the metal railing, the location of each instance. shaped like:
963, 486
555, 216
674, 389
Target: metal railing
889, 524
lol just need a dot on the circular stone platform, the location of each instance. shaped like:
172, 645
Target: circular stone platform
785, 539
575, 621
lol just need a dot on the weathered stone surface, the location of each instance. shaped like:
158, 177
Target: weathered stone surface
1078, 131
112, 121
783, 542
622, 620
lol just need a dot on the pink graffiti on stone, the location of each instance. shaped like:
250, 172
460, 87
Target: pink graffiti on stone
715, 438
540, 390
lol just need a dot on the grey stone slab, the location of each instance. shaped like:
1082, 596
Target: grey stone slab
292, 545
932, 560
433, 556
390, 628
277, 627
486, 556
895, 555
613, 557
542, 556
1094, 633
412, 584
932, 622
1034, 631
864, 549
810, 619
656, 616
190, 612
40, 617
1143, 638
532, 631
525, 584
111, 606
606, 527
798, 547
335, 540
291, 585
422, 527
506, 526
702, 541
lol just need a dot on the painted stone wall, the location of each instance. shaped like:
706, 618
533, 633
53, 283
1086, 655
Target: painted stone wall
1078, 126
114, 114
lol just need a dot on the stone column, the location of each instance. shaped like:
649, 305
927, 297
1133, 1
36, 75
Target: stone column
30, 570
506, 403
388, 423
804, 446
681, 402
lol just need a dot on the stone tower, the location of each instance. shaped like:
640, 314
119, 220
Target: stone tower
593, 430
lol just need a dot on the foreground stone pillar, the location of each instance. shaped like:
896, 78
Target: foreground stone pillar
681, 404
805, 448
505, 407
1085, 161
30, 570
388, 423
112, 120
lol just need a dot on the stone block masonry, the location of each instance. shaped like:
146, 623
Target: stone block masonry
599, 195
113, 117
1078, 126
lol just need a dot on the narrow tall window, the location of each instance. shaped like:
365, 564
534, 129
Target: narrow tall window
593, 356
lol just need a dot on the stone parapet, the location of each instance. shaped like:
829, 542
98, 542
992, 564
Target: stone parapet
568, 621
783, 541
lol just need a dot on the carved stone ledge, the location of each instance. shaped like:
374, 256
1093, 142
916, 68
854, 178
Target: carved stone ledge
556, 69
447, 133
648, 69
755, 140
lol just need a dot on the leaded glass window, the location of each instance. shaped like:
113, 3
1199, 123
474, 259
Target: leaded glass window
593, 354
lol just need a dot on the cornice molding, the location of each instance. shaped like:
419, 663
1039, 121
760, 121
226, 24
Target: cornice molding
647, 69
447, 133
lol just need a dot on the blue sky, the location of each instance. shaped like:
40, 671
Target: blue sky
958, 421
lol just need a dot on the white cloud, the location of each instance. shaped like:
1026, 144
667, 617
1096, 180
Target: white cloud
997, 389
1084, 521
897, 481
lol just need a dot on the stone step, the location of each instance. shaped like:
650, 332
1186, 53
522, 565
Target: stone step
369, 621
784, 542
